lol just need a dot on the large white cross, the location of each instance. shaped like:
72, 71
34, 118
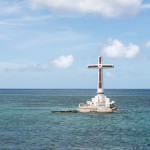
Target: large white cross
100, 67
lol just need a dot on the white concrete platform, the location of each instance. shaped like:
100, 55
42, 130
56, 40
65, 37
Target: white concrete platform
100, 104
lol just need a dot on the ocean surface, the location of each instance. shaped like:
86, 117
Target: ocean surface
26, 121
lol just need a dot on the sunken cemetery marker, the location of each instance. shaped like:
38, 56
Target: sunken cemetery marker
100, 103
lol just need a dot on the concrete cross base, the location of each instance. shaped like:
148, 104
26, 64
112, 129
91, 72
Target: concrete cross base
96, 109
100, 103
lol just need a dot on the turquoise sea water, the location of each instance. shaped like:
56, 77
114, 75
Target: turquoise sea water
26, 121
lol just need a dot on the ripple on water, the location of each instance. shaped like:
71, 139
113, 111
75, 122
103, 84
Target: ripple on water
27, 123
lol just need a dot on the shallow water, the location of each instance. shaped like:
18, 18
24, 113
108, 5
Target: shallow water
26, 121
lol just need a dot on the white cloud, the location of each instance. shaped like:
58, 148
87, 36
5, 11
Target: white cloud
23, 67
109, 74
105, 8
10, 24
9, 7
64, 36
60, 62
147, 44
132, 74
35, 18
145, 6
63, 61
114, 48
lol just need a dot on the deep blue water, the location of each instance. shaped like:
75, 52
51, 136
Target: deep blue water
26, 121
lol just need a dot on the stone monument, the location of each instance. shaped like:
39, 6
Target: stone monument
100, 103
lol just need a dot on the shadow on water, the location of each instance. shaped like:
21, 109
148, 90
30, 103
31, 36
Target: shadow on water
123, 111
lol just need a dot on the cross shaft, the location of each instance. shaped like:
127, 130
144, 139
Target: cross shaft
100, 67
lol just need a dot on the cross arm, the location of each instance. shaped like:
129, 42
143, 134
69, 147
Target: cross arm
92, 66
108, 66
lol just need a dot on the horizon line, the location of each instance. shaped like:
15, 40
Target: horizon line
73, 89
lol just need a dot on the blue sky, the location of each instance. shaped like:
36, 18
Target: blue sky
49, 43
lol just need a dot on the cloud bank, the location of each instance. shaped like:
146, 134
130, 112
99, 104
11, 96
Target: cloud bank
114, 49
63, 61
105, 8
147, 44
